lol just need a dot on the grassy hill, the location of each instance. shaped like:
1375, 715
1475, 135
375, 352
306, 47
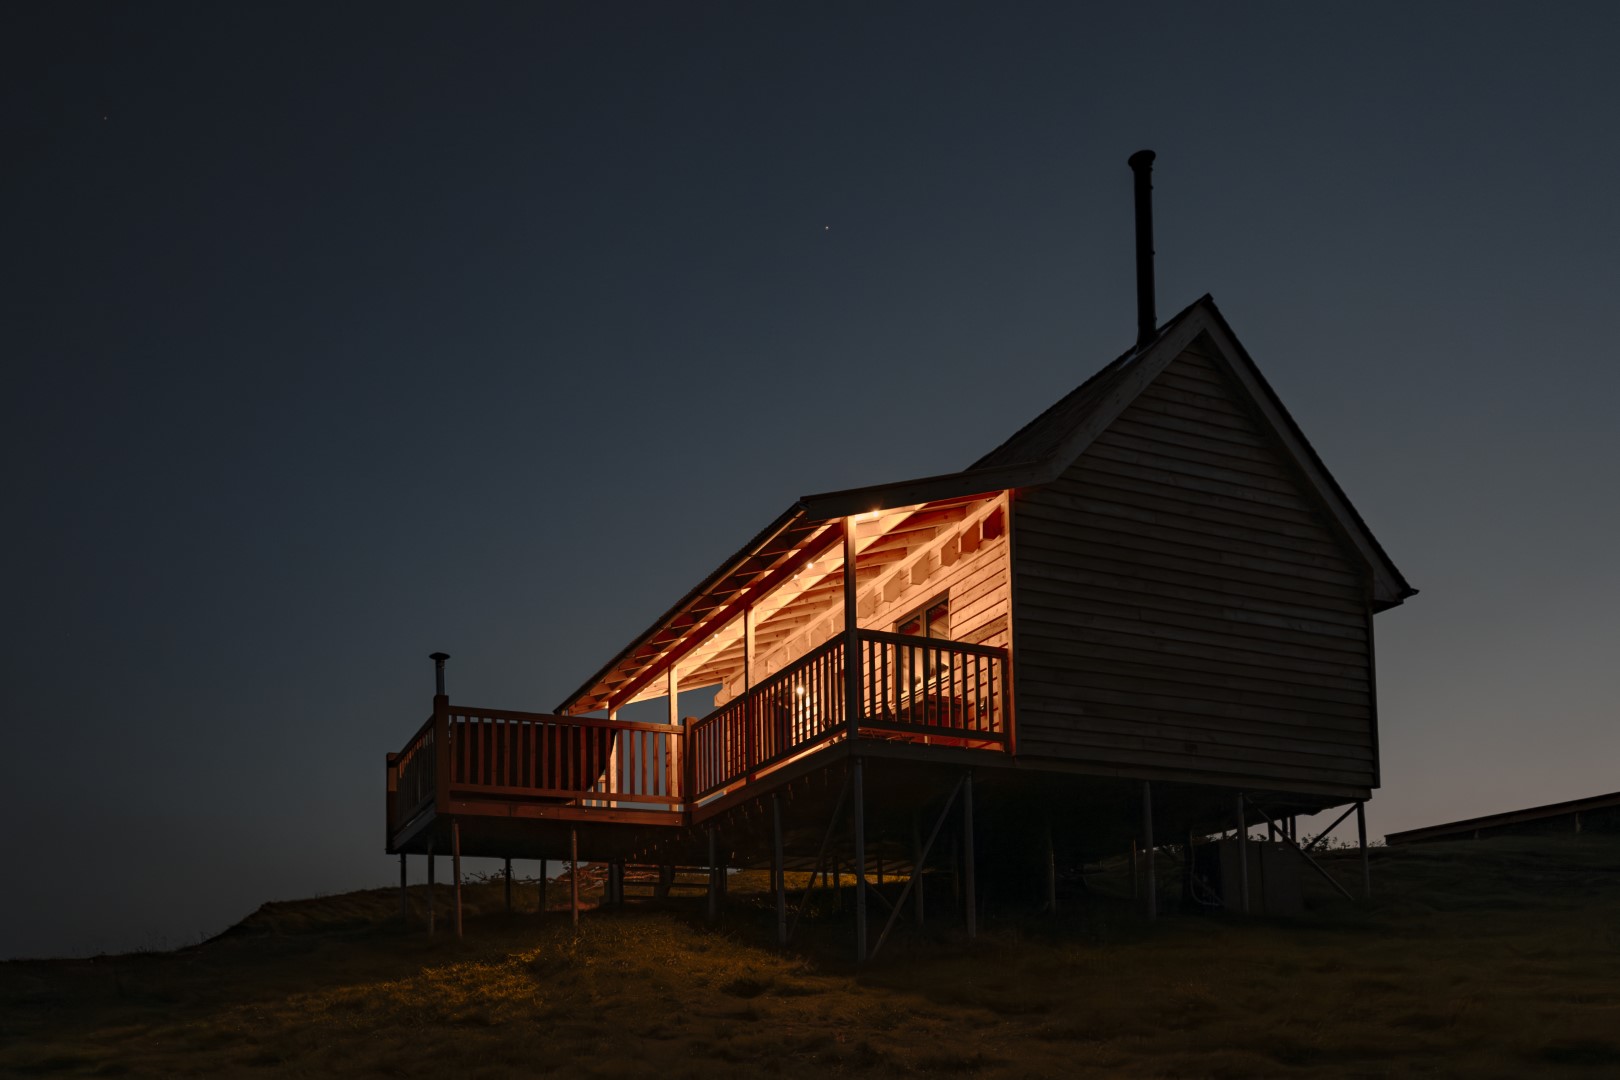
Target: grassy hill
1495, 958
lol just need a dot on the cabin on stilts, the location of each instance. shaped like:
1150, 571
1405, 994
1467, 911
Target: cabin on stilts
1144, 619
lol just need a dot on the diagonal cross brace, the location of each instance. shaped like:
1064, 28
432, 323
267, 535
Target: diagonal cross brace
1295, 845
899, 905
1323, 835
821, 856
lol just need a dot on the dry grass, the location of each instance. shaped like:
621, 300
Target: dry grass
1500, 958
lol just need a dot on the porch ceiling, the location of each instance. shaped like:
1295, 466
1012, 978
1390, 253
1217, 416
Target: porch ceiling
792, 576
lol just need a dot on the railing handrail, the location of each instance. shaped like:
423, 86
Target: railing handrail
792, 669
759, 729
420, 736
469, 711
916, 642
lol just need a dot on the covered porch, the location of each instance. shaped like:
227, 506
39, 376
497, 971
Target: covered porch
887, 626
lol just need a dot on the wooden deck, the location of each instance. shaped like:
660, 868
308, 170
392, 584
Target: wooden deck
519, 784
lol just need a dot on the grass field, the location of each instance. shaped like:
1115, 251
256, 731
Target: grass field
1492, 959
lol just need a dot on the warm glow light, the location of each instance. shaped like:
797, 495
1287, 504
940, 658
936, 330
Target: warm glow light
799, 690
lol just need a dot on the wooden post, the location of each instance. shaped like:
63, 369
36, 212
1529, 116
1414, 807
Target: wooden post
543, 869
430, 888
677, 740
509, 885
714, 875
879, 860
969, 892
404, 897
573, 875
956, 874
455, 866
1151, 882
1361, 839
852, 686
443, 745
1187, 871
777, 865
917, 869
1243, 852
1136, 876
1051, 870
860, 855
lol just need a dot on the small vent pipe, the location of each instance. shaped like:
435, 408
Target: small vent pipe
1147, 322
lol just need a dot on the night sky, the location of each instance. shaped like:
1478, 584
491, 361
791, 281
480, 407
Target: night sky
332, 338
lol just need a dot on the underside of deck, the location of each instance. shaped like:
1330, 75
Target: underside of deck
905, 788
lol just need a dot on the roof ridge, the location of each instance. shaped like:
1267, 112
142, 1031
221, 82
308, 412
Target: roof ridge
1113, 367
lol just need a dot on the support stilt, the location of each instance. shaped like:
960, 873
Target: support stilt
860, 862
455, 867
404, 896
917, 858
1243, 853
666, 878
1051, 871
1151, 882
779, 874
1136, 877
1361, 839
1187, 870
915, 883
543, 882
714, 875
573, 877
969, 889
509, 885
431, 861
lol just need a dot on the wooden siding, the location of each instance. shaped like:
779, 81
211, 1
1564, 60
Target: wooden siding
1182, 606
960, 562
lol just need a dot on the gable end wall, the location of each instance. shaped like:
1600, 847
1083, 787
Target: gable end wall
1183, 609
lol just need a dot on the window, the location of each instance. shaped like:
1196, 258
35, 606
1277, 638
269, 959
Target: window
932, 620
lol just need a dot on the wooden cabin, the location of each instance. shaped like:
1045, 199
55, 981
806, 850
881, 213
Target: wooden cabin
1148, 612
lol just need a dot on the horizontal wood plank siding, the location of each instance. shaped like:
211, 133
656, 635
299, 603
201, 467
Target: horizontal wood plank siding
1183, 607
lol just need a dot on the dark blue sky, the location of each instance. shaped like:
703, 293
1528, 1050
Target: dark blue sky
334, 338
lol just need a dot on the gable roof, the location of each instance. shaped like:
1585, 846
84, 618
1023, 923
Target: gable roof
1036, 454
1049, 444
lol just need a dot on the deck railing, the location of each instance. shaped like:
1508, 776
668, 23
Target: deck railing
563, 758
415, 776
924, 690
799, 707
938, 691
918, 690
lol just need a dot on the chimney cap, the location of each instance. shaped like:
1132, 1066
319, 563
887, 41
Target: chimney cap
439, 656
1142, 159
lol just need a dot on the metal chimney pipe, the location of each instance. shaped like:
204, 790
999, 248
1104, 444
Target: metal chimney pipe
1147, 322
438, 659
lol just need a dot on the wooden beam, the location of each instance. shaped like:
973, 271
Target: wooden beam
455, 867
1243, 853
860, 862
970, 888
1151, 882
724, 616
